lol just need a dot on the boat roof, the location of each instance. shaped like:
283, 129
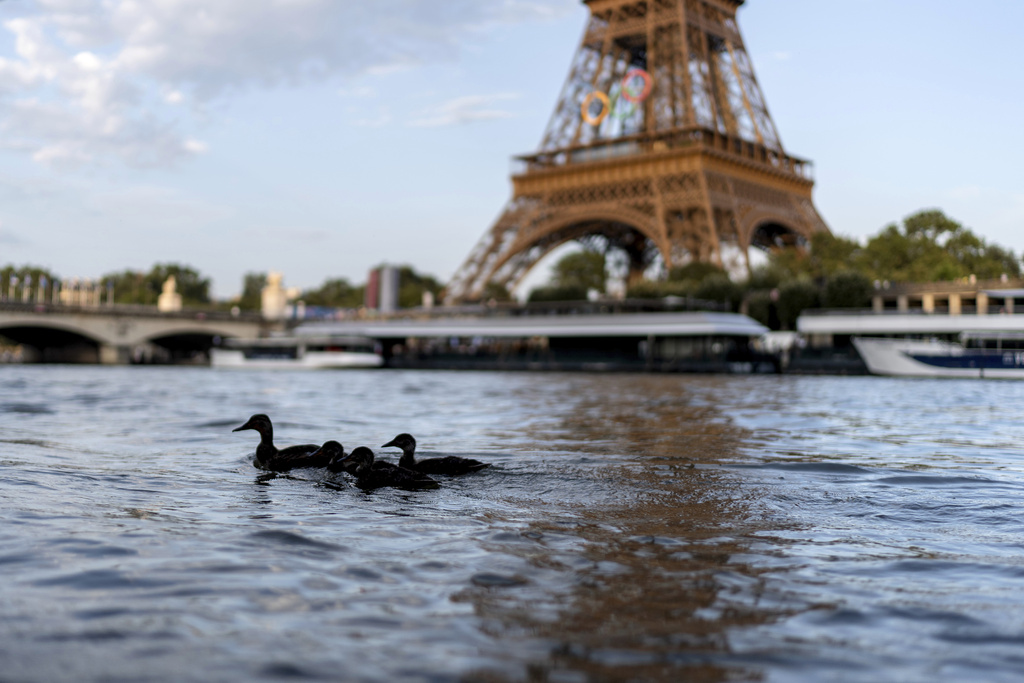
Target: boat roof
288, 341
993, 334
869, 322
689, 324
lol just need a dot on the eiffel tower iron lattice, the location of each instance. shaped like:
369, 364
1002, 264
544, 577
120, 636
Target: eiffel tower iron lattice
660, 146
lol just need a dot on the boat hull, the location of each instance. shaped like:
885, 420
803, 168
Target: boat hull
934, 358
310, 360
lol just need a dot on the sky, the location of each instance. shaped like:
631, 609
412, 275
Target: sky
321, 138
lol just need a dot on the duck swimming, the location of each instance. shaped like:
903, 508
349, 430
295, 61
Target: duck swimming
269, 457
372, 474
451, 464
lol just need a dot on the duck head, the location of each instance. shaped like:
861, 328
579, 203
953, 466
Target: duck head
333, 452
358, 461
259, 422
404, 441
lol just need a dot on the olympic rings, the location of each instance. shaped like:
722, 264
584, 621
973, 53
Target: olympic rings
624, 91
606, 107
648, 84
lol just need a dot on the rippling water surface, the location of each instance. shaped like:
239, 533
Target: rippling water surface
631, 528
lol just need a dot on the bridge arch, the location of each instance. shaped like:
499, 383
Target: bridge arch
53, 343
117, 336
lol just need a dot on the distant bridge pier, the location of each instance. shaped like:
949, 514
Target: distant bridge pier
111, 354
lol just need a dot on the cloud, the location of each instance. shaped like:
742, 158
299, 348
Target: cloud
466, 109
95, 80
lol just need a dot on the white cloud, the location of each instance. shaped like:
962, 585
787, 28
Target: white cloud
195, 146
464, 109
92, 80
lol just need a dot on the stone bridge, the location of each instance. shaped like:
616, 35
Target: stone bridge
118, 334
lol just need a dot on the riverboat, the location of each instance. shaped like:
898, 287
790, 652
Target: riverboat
297, 353
976, 355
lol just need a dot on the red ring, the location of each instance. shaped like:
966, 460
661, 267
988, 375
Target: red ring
648, 85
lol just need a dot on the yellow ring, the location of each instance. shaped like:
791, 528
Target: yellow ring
606, 107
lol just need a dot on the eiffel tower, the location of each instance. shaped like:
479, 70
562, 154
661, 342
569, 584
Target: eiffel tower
661, 146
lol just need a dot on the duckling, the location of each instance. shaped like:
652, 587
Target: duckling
269, 457
451, 464
372, 474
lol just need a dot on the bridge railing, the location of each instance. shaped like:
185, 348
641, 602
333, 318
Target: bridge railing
132, 310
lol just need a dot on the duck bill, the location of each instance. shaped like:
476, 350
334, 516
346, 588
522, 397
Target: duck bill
389, 444
345, 457
245, 426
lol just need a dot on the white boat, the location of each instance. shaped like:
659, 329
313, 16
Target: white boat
297, 353
977, 355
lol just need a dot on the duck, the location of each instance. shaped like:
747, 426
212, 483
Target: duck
269, 457
451, 464
375, 474
334, 453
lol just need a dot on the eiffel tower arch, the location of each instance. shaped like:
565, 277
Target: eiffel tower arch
660, 147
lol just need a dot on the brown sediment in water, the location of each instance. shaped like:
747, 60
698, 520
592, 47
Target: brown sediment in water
663, 585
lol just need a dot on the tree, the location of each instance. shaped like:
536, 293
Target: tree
130, 287
847, 289
581, 269
658, 289
336, 293
718, 287
193, 287
931, 246
252, 291
794, 297
494, 291
694, 271
412, 286
557, 293
133, 287
21, 274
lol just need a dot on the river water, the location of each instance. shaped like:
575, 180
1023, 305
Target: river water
631, 528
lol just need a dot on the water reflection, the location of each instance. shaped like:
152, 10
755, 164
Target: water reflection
656, 586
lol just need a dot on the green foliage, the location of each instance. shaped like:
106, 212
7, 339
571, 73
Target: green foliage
759, 307
927, 247
252, 291
794, 297
335, 293
557, 293
718, 287
193, 288
412, 285
932, 247
133, 287
695, 271
650, 289
768, 276
130, 287
22, 272
494, 291
580, 269
847, 289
